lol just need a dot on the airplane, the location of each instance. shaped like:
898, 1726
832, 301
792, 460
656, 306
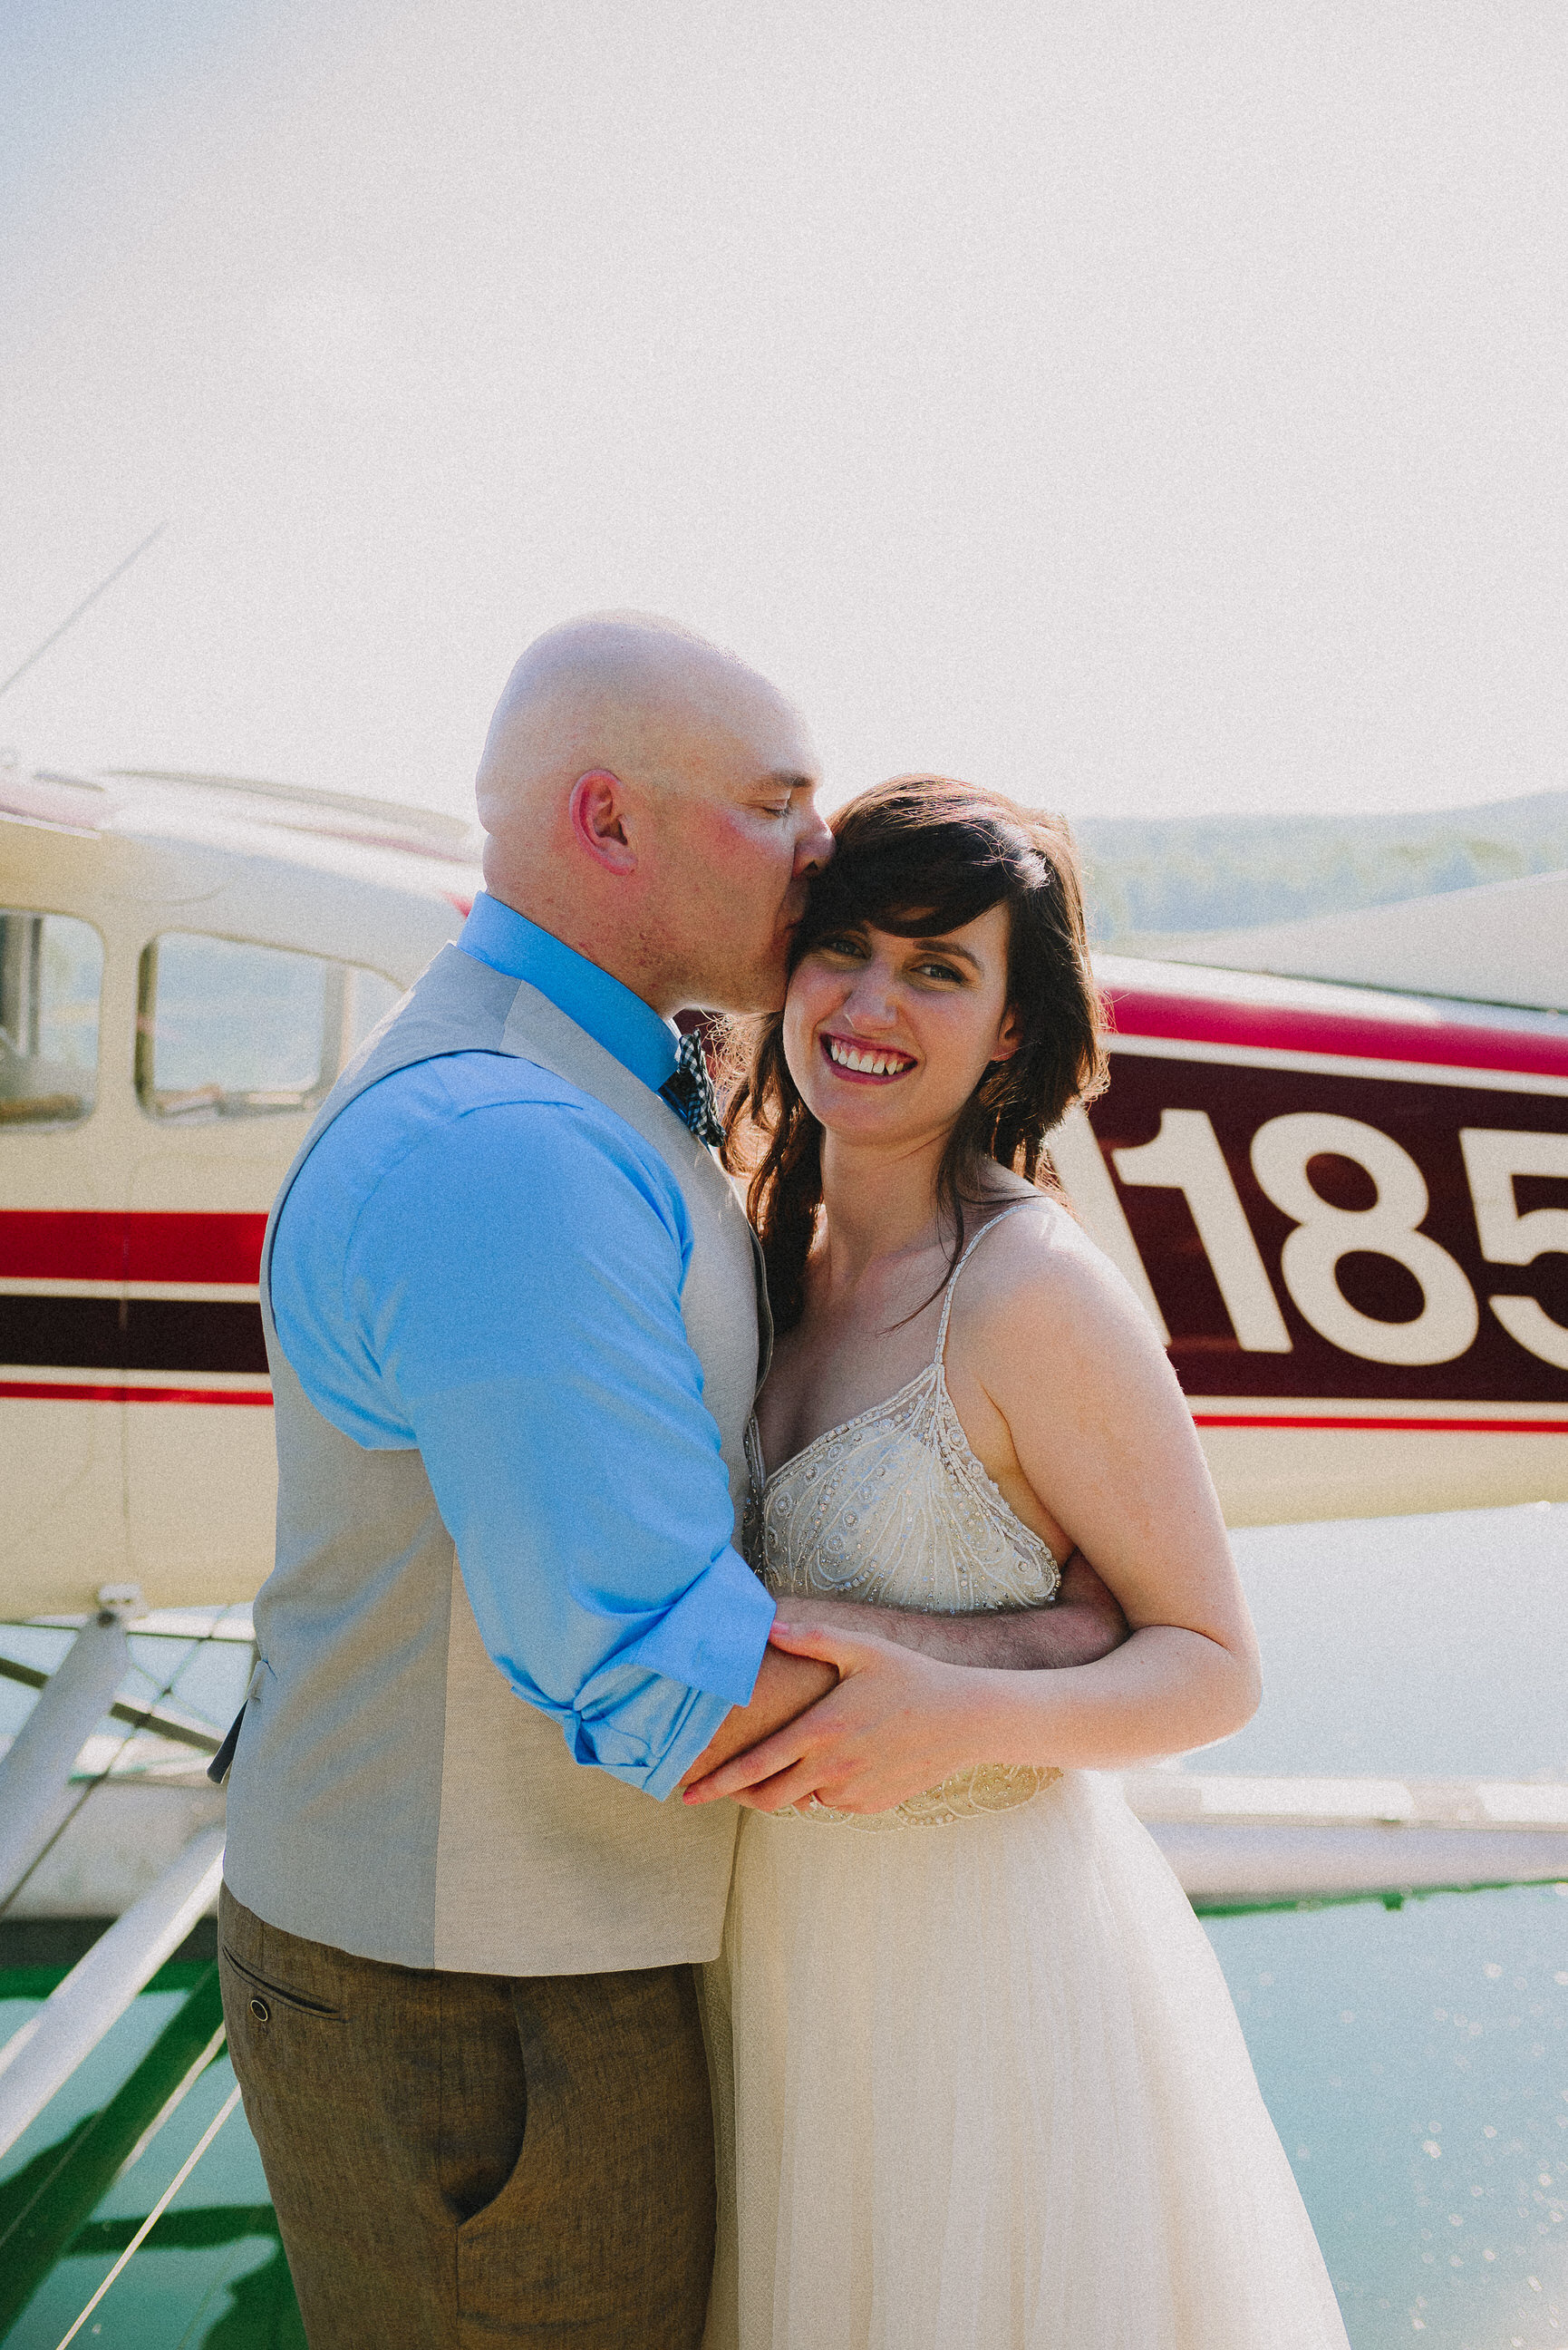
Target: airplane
1338, 1183
1332, 1161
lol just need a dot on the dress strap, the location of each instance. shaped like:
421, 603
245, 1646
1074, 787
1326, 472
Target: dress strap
969, 1248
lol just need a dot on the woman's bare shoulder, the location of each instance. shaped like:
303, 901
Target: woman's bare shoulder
1040, 1248
1040, 1273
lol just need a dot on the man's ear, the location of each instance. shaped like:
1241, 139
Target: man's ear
597, 812
1008, 1037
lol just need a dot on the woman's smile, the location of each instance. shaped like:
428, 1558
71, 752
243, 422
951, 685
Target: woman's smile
859, 1061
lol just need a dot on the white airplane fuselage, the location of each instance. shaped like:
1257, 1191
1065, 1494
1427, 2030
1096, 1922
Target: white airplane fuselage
1347, 1208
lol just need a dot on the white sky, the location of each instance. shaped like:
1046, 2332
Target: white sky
1149, 406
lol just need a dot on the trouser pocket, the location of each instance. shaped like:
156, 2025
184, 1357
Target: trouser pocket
261, 1995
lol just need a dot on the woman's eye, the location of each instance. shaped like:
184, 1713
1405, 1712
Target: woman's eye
938, 971
844, 945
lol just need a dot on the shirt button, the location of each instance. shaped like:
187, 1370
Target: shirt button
260, 2011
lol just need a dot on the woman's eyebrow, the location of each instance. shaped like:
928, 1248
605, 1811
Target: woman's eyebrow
946, 947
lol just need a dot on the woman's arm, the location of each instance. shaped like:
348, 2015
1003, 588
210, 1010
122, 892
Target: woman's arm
1092, 1417
1053, 1344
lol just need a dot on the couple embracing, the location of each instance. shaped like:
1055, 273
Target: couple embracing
671, 1894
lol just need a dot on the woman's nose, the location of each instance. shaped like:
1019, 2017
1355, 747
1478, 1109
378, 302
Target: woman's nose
869, 1003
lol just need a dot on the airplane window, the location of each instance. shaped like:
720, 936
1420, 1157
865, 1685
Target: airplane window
227, 1029
51, 974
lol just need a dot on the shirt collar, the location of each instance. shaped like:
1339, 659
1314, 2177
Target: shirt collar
607, 1011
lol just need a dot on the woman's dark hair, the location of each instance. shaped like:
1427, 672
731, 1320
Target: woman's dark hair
919, 856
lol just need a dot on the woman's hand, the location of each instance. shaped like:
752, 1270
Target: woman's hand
896, 1723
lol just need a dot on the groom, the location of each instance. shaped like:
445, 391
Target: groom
515, 1323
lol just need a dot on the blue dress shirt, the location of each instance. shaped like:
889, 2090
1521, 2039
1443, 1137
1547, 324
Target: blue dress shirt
482, 1260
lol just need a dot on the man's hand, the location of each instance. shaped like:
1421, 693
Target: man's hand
1084, 1622
896, 1724
786, 1686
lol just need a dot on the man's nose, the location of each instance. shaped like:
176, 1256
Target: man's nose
813, 845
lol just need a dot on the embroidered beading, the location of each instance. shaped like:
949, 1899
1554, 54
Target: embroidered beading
893, 1508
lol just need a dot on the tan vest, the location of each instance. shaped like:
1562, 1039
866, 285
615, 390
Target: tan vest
390, 1795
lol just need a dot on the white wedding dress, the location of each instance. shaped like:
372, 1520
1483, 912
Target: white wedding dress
977, 2082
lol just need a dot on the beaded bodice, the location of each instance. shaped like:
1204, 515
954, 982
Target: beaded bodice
893, 1508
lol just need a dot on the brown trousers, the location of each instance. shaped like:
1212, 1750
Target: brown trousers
466, 2159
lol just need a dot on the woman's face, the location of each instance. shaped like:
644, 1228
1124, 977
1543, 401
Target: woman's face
886, 1037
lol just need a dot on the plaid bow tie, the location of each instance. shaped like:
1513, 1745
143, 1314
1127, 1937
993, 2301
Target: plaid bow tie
689, 1092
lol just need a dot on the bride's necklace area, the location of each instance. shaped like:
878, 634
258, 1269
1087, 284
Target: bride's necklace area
927, 1276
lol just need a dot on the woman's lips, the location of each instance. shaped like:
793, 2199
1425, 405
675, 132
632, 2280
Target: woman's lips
860, 1063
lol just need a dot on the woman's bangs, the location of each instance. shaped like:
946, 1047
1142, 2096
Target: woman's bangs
913, 884
971, 896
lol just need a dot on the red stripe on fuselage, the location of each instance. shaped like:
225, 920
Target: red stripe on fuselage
1286, 1028
195, 1248
59, 1391
47, 1392
1272, 1420
83, 1244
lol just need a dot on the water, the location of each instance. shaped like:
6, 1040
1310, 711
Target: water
1416, 2064
1415, 2059
213, 2271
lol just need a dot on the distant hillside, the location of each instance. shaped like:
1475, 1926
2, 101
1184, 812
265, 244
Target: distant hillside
1219, 873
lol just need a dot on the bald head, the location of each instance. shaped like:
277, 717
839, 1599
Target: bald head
649, 798
618, 690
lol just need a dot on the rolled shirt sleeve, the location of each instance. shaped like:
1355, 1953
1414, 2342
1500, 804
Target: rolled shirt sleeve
510, 1304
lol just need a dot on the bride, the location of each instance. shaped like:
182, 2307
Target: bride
978, 2080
